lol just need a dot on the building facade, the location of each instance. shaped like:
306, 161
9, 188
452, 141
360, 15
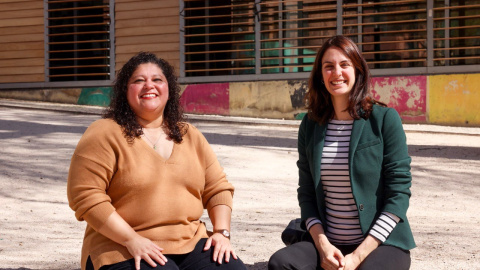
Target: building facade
246, 57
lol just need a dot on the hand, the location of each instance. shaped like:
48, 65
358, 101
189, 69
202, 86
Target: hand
222, 248
142, 248
351, 262
330, 256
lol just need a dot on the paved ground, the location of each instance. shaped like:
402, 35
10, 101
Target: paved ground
39, 231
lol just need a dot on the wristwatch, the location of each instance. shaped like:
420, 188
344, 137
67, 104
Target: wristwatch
223, 232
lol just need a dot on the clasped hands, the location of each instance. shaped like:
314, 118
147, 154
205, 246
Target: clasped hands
333, 259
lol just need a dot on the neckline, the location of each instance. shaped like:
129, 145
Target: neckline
333, 121
169, 159
154, 144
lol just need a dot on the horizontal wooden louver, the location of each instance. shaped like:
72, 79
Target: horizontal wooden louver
78, 40
219, 37
390, 34
267, 37
292, 32
456, 33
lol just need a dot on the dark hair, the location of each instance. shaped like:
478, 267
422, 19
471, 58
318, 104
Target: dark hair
318, 100
120, 111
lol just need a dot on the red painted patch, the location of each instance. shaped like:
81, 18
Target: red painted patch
407, 94
206, 99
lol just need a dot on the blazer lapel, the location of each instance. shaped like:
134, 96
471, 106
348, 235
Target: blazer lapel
318, 142
354, 138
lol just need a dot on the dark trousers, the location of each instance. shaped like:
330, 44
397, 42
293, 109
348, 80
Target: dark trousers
197, 259
303, 255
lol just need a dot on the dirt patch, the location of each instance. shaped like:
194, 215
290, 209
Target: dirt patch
39, 231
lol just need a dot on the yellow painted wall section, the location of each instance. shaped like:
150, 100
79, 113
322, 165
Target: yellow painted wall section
454, 99
261, 99
67, 95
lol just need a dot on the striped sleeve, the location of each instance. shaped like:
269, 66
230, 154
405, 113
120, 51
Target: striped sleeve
384, 226
312, 221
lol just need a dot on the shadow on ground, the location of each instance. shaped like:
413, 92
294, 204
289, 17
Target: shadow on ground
245, 140
257, 266
451, 152
22, 268
17, 129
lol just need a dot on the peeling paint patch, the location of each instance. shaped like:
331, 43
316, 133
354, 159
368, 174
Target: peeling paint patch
206, 98
298, 89
407, 94
62, 95
260, 96
266, 99
451, 86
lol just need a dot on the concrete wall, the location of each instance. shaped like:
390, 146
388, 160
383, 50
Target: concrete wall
69, 96
99, 96
438, 99
268, 99
454, 99
284, 99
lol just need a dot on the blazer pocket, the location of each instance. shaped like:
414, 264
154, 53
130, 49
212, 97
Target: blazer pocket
368, 144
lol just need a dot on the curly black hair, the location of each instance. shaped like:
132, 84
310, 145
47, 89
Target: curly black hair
119, 110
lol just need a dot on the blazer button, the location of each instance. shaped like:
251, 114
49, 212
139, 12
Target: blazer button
360, 207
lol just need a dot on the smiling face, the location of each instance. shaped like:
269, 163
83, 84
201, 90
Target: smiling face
338, 73
147, 92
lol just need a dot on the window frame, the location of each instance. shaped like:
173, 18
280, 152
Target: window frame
89, 83
429, 69
69, 84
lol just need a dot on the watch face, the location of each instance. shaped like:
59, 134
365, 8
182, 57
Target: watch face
224, 232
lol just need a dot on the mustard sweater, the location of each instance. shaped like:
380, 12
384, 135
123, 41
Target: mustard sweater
162, 200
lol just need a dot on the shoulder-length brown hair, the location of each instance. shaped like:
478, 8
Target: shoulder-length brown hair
120, 111
318, 100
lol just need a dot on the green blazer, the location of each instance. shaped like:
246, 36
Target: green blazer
379, 167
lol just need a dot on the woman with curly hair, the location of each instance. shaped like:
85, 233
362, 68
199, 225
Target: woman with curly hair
141, 178
354, 172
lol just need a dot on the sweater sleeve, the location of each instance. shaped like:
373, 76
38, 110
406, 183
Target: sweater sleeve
91, 169
217, 191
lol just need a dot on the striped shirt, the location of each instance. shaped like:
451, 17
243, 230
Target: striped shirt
343, 226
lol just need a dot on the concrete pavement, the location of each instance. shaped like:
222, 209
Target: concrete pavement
39, 231
59, 107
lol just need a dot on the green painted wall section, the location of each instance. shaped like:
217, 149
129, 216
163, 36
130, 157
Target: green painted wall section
99, 96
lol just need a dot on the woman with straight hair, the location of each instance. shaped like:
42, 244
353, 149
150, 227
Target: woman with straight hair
354, 172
